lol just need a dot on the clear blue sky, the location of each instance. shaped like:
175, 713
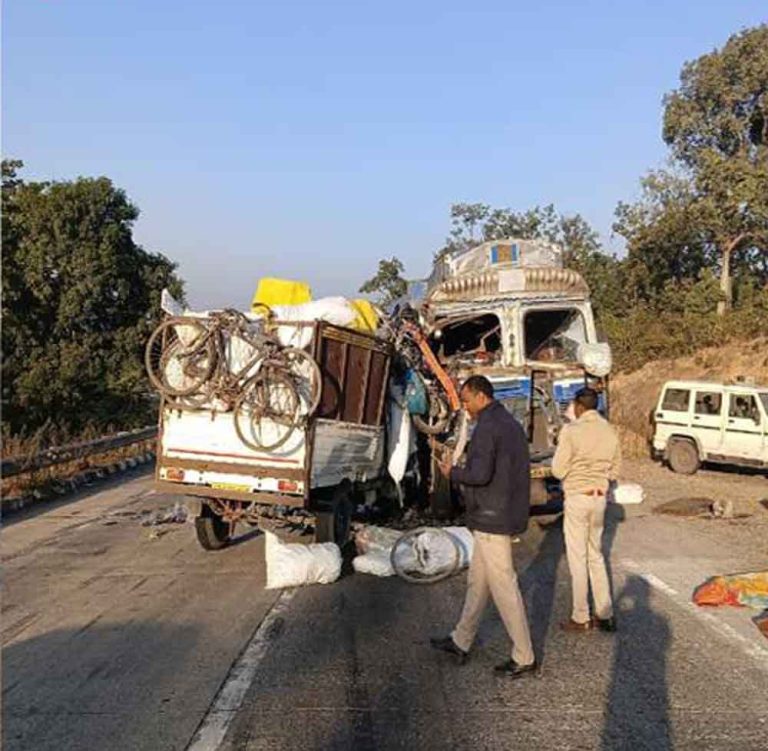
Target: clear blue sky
310, 139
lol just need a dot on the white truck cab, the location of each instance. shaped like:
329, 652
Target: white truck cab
697, 421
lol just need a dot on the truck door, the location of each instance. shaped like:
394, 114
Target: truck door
744, 427
708, 419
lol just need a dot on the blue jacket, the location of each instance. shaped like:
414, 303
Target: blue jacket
496, 479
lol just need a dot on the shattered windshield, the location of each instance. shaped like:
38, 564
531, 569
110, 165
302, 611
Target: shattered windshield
554, 335
471, 339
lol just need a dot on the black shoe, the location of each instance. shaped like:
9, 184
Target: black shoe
511, 669
604, 624
447, 644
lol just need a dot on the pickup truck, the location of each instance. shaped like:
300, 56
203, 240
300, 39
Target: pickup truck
336, 454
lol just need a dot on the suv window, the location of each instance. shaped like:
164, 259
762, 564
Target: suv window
708, 402
676, 400
743, 406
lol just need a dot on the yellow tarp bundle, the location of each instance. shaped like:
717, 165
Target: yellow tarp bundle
366, 317
281, 292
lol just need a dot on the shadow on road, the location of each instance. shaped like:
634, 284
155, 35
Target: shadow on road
614, 515
539, 581
638, 701
98, 686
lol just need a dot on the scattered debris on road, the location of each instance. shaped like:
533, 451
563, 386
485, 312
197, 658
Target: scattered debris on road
738, 590
685, 507
178, 514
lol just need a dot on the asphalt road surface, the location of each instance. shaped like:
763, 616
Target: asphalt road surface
121, 636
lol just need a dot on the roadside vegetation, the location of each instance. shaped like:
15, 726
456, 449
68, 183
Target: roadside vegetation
695, 270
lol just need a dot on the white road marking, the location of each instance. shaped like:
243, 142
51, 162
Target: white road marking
229, 699
754, 650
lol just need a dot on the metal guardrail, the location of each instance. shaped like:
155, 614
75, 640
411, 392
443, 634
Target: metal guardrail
16, 465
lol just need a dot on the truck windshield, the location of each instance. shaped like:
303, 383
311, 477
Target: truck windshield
764, 400
554, 335
471, 339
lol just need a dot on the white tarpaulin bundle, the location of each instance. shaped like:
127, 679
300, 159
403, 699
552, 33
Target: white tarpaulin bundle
430, 553
336, 310
294, 565
596, 358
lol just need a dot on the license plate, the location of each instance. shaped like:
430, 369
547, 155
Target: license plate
231, 486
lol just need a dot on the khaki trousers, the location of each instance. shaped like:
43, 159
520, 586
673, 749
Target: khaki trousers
584, 520
492, 572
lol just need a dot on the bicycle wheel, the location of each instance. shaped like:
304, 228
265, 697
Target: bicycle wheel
438, 417
407, 567
180, 356
267, 411
306, 374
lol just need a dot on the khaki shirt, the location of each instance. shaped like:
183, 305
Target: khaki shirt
588, 454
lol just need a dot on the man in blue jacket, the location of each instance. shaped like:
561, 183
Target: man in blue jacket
496, 487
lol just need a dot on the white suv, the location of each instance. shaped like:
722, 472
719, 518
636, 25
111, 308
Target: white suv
697, 421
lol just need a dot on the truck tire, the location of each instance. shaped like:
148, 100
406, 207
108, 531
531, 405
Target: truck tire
212, 531
683, 456
335, 523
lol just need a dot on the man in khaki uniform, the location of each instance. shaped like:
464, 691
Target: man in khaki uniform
588, 457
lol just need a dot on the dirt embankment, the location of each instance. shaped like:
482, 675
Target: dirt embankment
634, 395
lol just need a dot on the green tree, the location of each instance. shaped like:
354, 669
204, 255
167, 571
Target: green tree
80, 298
712, 209
388, 284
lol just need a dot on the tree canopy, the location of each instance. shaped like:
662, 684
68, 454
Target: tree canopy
388, 284
710, 209
80, 298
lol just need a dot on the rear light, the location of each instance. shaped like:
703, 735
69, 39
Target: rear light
287, 486
174, 474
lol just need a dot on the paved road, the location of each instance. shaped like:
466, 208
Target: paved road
115, 638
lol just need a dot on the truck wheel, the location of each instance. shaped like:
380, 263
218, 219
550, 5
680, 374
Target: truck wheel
212, 531
334, 524
683, 457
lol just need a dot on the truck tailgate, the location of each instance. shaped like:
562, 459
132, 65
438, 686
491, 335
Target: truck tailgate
203, 449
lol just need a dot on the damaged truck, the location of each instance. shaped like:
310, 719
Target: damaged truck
508, 310
299, 414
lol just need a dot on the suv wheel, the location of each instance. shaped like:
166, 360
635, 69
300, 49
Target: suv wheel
683, 456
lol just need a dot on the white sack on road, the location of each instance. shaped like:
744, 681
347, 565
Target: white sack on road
294, 565
627, 493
